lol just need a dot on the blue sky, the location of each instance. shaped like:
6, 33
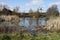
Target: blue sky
25, 5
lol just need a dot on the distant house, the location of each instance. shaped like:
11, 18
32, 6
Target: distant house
6, 12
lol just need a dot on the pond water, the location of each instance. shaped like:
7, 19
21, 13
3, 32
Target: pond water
32, 22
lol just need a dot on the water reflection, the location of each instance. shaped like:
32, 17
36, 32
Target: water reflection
32, 22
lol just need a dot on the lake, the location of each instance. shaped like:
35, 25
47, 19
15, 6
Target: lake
32, 22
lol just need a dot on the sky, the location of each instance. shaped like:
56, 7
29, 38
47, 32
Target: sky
26, 5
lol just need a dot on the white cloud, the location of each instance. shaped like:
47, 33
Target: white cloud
54, 3
34, 2
2, 4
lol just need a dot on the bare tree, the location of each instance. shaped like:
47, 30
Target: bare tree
37, 17
30, 11
0, 7
16, 9
30, 20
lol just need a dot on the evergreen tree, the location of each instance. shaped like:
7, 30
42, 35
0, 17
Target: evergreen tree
53, 11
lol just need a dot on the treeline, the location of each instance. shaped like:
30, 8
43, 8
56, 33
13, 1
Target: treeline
52, 11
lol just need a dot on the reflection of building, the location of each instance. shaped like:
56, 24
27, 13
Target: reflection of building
5, 29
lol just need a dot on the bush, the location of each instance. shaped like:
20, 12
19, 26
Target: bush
29, 36
6, 37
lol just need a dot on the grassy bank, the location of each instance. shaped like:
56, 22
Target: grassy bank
29, 36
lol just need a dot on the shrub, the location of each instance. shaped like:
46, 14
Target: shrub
29, 36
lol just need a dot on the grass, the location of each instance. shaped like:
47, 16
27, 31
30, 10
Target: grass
29, 36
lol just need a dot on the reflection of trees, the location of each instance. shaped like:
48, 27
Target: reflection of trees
30, 19
37, 16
